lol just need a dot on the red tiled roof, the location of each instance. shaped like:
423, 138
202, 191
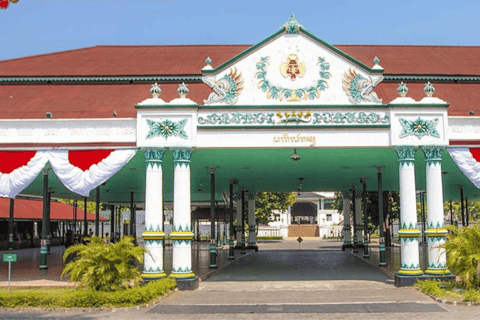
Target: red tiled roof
84, 101
189, 60
462, 97
419, 60
33, 210
99, 101
121, 60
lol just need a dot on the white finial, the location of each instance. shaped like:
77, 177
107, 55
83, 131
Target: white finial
402, 89
429, 90
208, 64
183, 90
376, 64
155, 90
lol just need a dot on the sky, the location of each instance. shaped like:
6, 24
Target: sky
32, 27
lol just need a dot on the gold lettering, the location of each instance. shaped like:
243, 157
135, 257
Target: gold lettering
286, 138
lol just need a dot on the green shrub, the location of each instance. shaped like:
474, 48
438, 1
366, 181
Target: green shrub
431, 287
104, 267
269, 238
471, 295
85, 298
449, 290
463, 254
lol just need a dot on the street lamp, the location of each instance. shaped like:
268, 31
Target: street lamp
295, 156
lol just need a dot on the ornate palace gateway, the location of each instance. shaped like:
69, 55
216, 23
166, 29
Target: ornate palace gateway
400, 116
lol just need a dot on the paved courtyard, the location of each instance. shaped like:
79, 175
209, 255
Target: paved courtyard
282, 282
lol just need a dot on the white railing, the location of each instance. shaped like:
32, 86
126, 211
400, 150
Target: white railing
266, 231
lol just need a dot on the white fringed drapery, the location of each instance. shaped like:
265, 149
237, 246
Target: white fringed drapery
465, 158
73, 178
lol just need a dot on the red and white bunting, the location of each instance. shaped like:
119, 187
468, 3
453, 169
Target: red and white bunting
18, 169
83, 170
468, 160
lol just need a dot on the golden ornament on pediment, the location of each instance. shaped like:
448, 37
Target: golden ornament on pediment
292, 68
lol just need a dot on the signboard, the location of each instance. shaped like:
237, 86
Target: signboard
9, 257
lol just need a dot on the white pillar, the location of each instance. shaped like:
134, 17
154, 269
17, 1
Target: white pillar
409, 231
289, 216
182, 233
347, 236
436, 233
358, 216
252, 221
318, 213
322, 204
153, 235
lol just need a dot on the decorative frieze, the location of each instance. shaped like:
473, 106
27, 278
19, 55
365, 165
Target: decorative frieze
298, 118
237, 118
350, 118
419, 128
166, 129
274, 91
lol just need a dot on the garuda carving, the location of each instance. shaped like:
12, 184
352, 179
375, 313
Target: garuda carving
358, 88
227, 89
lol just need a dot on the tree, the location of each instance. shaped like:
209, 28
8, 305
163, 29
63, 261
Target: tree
473, 211
104, 267
91, 205
337, 203
268, 203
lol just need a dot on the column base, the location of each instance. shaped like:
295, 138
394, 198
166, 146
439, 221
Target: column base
404, 281
438, 272
147, 277
187, 284
43, 267
184, 276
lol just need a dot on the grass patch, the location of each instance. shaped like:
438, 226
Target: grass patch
269, 238
84, 298
448, 290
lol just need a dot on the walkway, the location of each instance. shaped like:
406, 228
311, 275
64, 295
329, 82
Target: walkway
277, 283
302, 284
26, 271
